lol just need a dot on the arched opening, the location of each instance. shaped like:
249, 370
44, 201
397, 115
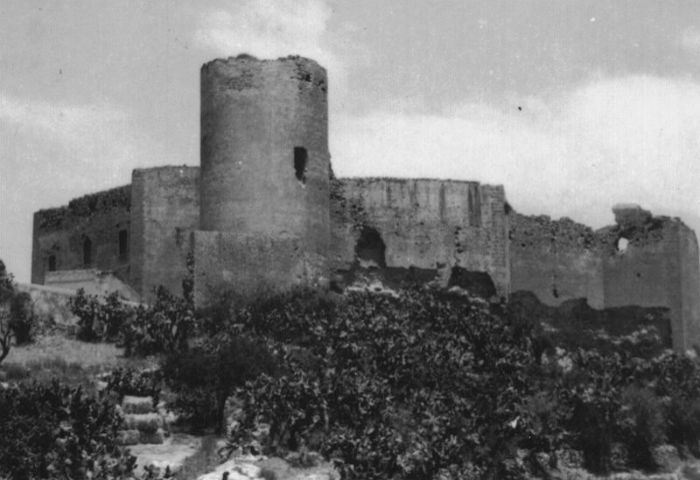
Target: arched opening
370, 248
87, 252
52, 263
300, 159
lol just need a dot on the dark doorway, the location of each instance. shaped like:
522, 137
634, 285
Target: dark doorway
371, 248
87, 252
300, 159
52, 263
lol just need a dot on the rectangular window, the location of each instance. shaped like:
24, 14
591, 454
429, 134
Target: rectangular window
123, 243
300, 158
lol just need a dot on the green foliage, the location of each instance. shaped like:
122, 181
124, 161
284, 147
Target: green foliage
412, 387
163, 327
99, 319
431, 385
204, 377
22, 320
53, 431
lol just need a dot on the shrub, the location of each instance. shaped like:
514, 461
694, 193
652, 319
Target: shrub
643, 425
206, 376
418, 386
22, 320
99, 320
163, 327
53, 431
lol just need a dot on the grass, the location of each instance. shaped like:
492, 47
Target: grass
69, 360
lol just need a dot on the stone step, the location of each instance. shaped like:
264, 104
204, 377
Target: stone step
134, 404
144, 422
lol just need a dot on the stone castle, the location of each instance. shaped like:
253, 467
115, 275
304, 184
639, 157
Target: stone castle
264, 210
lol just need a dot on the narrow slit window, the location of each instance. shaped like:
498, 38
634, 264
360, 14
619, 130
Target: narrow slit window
52, 263
123, 243
300, 159
87, 252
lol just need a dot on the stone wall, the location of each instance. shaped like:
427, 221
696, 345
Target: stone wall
84, 234
557, 260
642, 261
251, 265
165, 211
421, 223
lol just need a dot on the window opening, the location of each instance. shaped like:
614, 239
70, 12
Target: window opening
52, 263
123, 243
300, 158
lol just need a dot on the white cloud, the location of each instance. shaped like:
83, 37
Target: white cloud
690, 40
626, 139
51, 152
278, 28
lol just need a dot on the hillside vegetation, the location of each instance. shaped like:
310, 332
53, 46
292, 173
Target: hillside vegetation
424, 384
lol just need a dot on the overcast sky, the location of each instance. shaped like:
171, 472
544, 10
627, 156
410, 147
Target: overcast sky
573, 105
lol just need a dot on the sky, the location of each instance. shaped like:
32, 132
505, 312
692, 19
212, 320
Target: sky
572, 105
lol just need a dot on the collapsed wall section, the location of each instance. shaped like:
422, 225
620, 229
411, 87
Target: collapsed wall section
90, 232
165, 212
436, 225
653, 261
642, 261
557, 260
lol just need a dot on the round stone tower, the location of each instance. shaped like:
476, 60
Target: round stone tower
264, 152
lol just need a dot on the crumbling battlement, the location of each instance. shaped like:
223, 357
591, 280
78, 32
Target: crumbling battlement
90, 231
643, 260
421, 223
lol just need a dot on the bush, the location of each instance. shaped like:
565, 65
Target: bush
419, 386
99, 319
22, 320
53, 431
643, 425
206, 376
163, 327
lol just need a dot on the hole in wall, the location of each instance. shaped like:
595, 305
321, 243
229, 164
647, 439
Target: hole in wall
370, 248
52, 263
300, 159
622, 244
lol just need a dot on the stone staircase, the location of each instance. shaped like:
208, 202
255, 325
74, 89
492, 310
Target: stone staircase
143, 423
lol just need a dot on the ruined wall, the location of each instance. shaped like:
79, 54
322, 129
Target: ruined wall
557, 260
165, 211
655, 265
428, 224
642, 261
93, 222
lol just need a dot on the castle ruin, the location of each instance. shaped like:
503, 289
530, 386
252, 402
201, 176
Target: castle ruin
264, 211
